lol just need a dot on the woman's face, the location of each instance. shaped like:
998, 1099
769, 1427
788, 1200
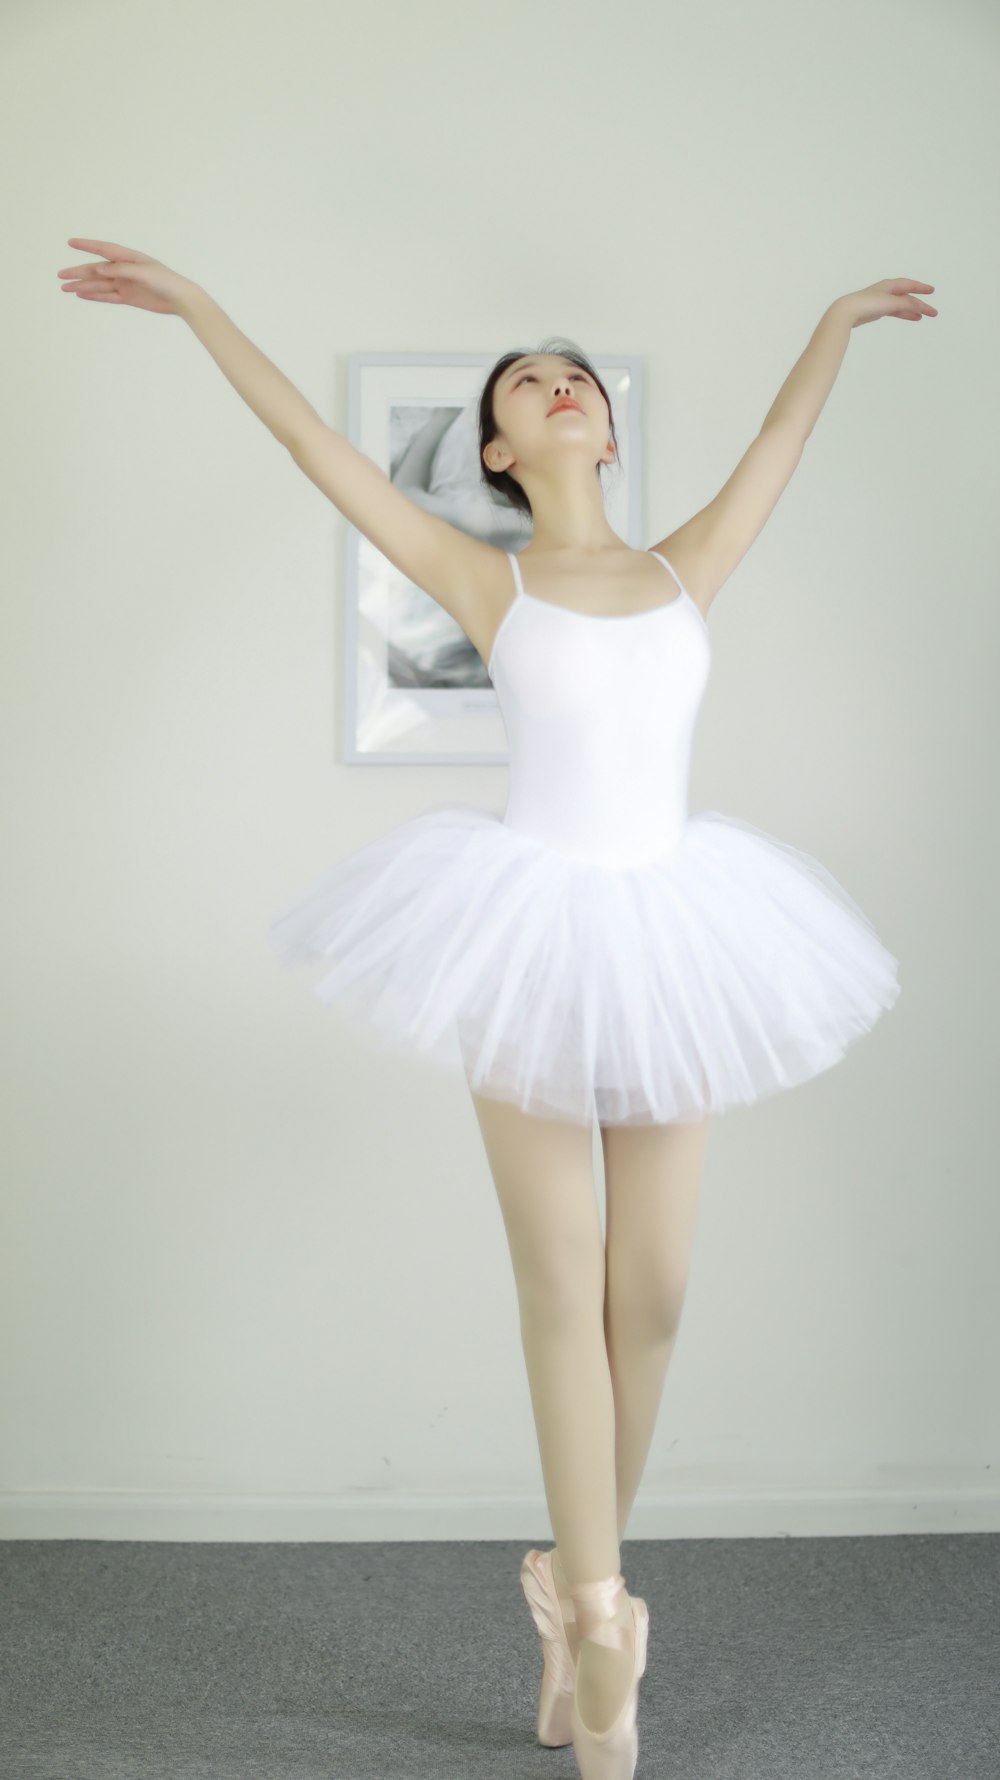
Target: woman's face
530, 425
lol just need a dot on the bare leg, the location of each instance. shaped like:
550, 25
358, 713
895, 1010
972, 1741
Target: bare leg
543, 1172
652, 1185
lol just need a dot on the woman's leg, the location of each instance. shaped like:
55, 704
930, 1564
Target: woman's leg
543, 1172
652, 1189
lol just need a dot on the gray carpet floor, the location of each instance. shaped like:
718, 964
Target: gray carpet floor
820, 1658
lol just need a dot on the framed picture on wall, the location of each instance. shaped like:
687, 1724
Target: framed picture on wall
415, 689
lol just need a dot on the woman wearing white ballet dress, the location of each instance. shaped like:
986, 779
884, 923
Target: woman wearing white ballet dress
594, 951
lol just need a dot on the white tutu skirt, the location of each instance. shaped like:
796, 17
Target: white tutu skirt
731, 967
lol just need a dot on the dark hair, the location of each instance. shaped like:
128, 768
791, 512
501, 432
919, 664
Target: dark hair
501, 481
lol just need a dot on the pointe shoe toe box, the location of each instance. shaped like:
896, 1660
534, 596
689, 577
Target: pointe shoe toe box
555, 1699
613, 1754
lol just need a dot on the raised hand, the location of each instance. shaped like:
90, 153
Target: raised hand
890, 296
126, 276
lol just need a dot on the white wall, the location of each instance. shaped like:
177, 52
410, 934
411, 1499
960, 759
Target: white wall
256, 1283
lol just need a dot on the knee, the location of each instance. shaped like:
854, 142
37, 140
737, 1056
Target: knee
646, 1305
563, 1287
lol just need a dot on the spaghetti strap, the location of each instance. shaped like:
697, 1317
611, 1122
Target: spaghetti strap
519, 597
673, 571
518, 583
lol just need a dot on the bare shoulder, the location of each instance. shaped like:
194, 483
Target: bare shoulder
687, 551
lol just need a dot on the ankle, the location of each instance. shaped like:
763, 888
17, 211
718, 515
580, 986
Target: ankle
603, 1610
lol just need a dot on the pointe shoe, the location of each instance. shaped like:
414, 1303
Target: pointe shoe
555, 1698
610, 1754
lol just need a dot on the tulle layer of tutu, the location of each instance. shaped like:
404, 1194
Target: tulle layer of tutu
731, 967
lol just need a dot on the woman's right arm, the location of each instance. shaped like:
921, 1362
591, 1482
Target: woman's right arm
454, 568
446, 562
264, 388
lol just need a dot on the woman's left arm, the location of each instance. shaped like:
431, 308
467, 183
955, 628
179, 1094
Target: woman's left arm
797, 405
707, 547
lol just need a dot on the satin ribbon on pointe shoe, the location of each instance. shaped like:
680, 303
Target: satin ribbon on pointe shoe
610, 1754
555, 1697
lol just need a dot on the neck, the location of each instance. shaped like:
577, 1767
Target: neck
569, 517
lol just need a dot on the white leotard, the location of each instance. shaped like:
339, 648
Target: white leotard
599, 711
